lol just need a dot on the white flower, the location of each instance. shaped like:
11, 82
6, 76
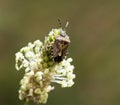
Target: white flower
41, 70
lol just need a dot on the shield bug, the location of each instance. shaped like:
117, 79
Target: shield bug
60, 46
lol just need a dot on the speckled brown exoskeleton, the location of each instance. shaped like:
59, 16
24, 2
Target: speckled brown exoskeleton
60, 47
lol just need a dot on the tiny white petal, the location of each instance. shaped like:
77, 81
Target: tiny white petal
49, 88
64, 84
29, 54
70, 83
39, 75
69, 59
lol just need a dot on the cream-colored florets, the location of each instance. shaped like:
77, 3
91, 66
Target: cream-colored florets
41, 70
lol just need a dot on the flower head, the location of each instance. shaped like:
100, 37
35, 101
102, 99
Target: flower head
41, 69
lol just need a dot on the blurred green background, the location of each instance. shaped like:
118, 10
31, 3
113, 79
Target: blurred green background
95, 47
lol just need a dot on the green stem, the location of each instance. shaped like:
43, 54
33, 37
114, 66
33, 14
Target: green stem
26, 103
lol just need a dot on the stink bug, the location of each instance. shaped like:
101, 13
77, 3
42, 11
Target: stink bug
60, 46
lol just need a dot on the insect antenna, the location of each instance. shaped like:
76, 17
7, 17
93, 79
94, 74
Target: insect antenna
66, 25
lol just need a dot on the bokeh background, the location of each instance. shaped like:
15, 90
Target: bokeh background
94, 30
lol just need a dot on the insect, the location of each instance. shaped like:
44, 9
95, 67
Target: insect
60, 46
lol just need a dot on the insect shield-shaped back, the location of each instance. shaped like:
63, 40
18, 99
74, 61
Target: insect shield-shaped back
60, 46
